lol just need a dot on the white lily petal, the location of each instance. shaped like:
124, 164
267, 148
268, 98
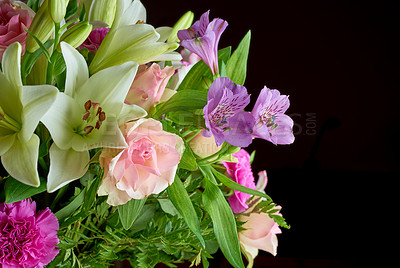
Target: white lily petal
65, 166
169, 56
118, 40
6, 141
77, 71
131, 112
109, 135
164, 32
10, 98
11, 64
108, 87
20, 161
61, 119
36, 101
129, 13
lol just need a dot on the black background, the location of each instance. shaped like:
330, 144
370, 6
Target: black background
334, 59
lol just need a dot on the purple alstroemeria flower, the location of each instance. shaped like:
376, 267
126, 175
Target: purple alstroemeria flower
272, 124
224, 115
202, 39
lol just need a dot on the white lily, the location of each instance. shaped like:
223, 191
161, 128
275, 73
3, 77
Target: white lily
131, 40
21, 108
87, 116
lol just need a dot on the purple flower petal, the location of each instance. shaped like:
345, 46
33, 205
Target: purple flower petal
224, 115
271, 122
202, 38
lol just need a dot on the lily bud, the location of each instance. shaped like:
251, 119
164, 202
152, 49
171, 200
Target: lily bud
42, 27
103, 11
77, 34
57, 9
182, 24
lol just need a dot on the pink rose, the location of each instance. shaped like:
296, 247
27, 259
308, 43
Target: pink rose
260, 229
148, 86
260, 233
13, 22
147, 166
241, 173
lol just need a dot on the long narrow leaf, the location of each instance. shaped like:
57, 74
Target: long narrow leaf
181, 200
236, 66
130, 211
184, 100
223, 220
236, 186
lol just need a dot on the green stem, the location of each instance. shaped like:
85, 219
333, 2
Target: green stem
194, 135
50, 67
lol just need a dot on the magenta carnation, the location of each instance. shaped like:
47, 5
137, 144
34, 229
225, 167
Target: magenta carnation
241, 173
27, 238
94, 39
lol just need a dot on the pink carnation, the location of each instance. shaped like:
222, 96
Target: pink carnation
147, 166
13, 22
94, 39
27, 238
241, 173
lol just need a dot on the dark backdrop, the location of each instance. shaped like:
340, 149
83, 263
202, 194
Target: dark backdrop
334, 60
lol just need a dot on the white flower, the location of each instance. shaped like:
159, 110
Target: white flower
86, 116
21, 108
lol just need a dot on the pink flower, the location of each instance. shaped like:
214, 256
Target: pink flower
148, 86
241, 173
13, 22
260, 229
27, 238
94, 39
147, 166
260, 233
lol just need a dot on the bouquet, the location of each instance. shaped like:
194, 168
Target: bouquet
121, 141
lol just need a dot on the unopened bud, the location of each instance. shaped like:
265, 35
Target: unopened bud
42, 27
57, 9
183, 23
77, 34
103, 11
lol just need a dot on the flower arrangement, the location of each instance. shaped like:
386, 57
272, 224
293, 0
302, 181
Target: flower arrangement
130, 139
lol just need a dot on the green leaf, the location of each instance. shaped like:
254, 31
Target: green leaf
29, 59
236, 186
181, 200
91, 193
182, 101
236, 66
71, 9
187, 118
16, 191
72, 207
195, 78
223, 220
41, 46
129, 211
188, 161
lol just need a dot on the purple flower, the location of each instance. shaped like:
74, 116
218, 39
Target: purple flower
223, 113
272, 124
94, 39
27, 238
202, 39
241, 173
